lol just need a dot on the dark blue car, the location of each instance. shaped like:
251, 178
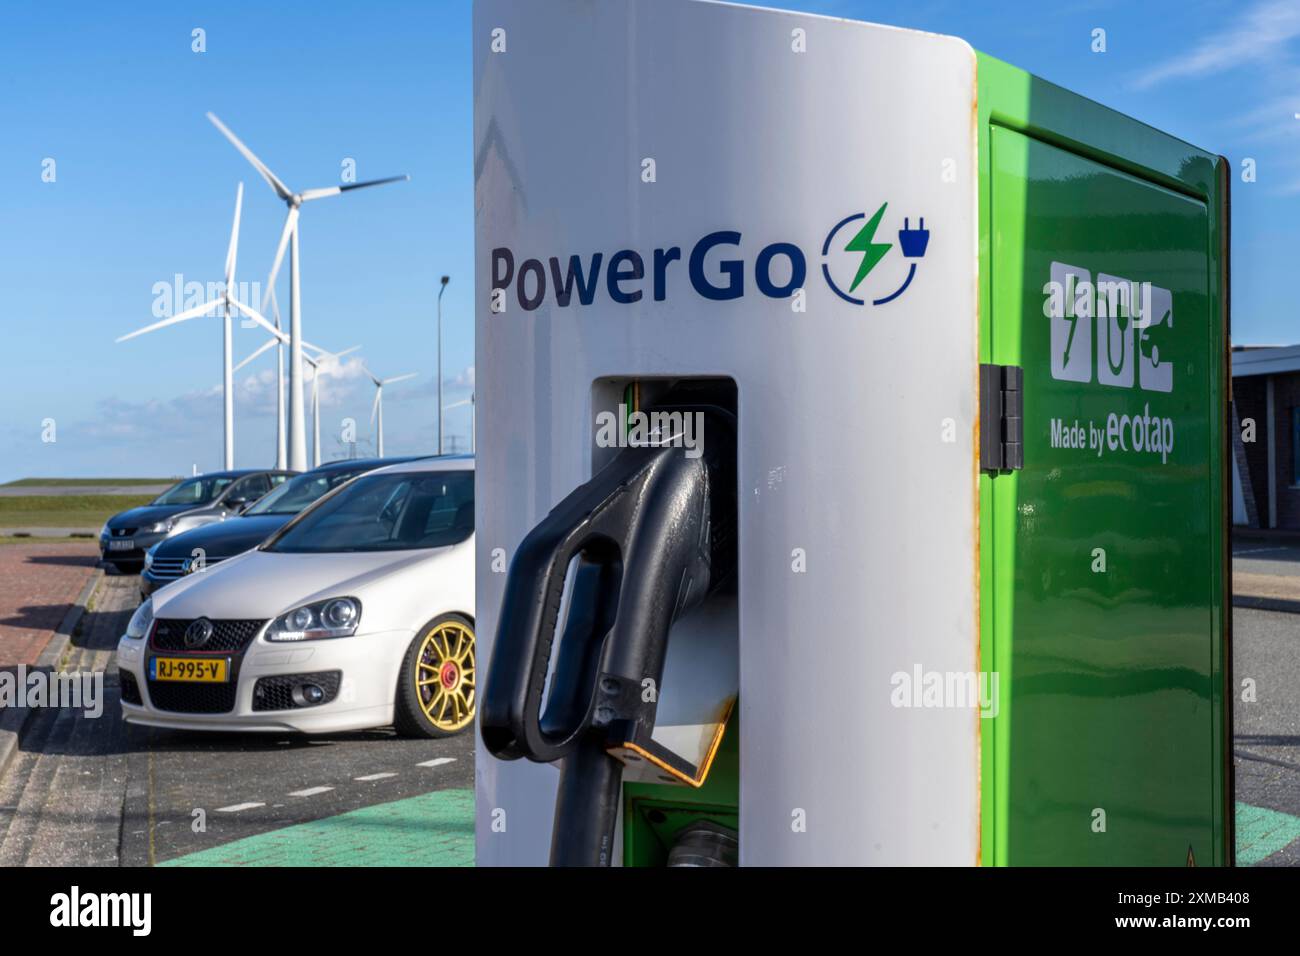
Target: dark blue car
126, 536
193, 550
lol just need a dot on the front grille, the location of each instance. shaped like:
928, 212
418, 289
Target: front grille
276, 693
192, 698
169, 569
130, 688
227, 636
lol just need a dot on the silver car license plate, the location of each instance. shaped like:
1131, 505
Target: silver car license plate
121, 544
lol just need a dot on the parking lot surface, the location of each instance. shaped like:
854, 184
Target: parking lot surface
86, 790
95, 791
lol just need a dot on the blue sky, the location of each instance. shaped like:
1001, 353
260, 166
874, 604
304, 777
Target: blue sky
144, 190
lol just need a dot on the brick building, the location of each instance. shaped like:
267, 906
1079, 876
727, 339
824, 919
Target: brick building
1266, 441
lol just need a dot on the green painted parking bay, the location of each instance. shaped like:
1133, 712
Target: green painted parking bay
433, 829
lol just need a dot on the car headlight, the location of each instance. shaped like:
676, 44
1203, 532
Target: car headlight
336, 617
148, 556
158, 527
141, 620
103, 532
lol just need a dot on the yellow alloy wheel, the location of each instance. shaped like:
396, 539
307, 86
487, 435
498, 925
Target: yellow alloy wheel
444, 675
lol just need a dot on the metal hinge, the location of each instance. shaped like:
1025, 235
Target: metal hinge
1002, 410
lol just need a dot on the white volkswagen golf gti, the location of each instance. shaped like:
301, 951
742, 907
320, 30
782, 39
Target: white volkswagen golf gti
358, 613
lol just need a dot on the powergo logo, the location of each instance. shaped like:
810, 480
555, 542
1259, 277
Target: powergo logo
1129, 319
715, 267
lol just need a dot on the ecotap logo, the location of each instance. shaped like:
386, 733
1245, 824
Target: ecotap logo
1110, 329
1128, 318
75, 908
716, 267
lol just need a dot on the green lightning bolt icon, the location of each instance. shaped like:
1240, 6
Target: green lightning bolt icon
872, 252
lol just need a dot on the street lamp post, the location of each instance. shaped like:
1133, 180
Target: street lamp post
445, 280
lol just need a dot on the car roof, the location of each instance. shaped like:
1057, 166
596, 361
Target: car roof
240, 473
435, 463
362, 464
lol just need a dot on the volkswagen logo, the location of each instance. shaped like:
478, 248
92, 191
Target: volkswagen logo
198, 633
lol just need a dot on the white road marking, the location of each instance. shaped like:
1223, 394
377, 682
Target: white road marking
375, 776
311, 791
238, 807
1259, 550
437, 762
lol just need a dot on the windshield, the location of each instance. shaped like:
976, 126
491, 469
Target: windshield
194, 491
389, 512
297, 493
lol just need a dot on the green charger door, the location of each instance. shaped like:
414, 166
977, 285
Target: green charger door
1108, 542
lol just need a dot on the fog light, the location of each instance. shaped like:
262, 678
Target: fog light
304, 695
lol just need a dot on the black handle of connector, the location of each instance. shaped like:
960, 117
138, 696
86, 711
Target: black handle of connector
647, 535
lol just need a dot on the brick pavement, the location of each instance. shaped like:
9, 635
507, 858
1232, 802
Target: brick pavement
38, 584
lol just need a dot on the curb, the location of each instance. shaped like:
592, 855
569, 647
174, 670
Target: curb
1266, 603
1285, 535
37, 535
14, 721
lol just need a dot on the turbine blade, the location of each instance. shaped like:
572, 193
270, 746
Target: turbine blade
309, 194
268, 344
193, 313
290, 224
257, 317
232, 250
374, 409
400, 378
281, 190
373, 377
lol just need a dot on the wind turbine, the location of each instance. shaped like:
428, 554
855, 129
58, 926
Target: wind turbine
228, 304
319, 361
289, 236
378, 407
281, 446
472, 424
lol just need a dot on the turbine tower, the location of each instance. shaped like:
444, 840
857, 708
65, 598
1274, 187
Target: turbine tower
228, 305
378, 408
322, 360
297, 441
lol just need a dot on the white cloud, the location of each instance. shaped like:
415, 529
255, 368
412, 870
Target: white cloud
1262, 36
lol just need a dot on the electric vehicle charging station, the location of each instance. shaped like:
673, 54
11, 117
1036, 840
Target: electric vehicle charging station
924, 561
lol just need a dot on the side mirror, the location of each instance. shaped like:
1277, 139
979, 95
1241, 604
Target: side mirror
237, 504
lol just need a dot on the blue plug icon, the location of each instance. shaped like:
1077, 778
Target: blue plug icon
914, 241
